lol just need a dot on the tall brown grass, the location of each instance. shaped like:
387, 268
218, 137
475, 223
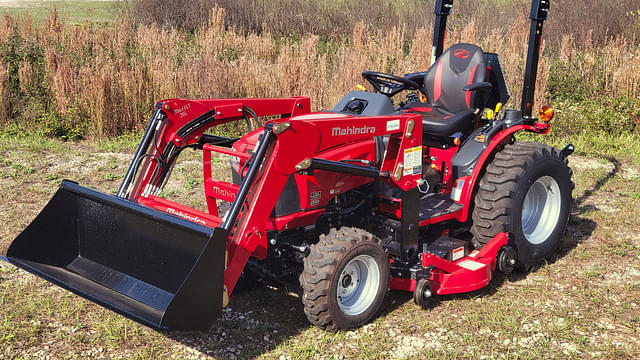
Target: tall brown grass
103, 81
336, 18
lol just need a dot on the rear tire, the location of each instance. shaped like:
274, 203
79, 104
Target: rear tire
345, 279
526, 191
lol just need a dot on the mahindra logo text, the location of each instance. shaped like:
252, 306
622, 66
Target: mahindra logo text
354, 130
224, 192
186, 216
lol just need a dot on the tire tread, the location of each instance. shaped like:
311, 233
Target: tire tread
498, 187
320, 265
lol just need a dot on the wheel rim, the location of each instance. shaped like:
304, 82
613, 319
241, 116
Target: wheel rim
541, 210
358, 285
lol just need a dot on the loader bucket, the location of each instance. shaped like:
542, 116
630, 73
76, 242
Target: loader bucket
157, 269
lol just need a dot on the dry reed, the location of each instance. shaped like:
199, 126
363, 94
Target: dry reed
112, 76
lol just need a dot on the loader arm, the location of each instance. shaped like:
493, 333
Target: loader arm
287, 145
178, 124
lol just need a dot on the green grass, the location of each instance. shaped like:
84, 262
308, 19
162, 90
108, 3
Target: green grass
599, 145
127, 142
76, 12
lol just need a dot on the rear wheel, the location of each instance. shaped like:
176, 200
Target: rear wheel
345, 279
526, 191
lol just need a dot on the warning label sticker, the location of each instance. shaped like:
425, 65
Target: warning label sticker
315, 198
413, 161
457, 254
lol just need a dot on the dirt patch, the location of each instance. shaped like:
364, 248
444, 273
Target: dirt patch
580, 163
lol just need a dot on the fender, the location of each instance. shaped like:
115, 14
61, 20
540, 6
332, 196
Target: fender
469, 184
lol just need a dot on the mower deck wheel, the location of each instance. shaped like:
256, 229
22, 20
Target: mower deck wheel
422, 293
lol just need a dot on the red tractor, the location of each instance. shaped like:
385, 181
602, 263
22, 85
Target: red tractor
427, 195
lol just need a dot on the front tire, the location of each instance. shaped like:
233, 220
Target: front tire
345, 279
526, 191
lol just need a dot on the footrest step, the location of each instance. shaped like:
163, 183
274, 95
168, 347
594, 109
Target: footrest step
435, 205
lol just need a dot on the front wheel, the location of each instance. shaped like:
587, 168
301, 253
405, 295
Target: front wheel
345, 279
526, 191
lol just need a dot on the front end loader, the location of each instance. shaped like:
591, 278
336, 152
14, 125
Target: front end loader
430, 194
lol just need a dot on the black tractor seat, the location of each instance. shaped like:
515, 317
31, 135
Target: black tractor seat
438, 121
456, 88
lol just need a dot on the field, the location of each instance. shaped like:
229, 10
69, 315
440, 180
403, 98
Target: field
78, 89
74, 11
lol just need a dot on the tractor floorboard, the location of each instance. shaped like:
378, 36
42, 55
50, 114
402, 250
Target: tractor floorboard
435, 205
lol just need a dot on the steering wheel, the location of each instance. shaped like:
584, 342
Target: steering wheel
388, 84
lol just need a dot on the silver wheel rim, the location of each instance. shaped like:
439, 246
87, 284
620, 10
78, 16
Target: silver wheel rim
541, 210
358, 285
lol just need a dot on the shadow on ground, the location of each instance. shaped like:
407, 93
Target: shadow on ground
258, 319
255, 322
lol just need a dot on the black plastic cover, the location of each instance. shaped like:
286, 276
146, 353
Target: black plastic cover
445, 247
500, 91
539, 10
374, 104
464, 161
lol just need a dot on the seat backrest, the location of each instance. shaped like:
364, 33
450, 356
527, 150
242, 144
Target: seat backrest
459, 66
